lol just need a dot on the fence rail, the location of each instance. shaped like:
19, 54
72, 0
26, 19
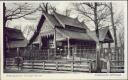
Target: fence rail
82, 66
52, 54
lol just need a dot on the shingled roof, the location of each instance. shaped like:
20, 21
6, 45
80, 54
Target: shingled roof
15, 38
65, 20
52, 19
104, 35
61, 21
75, 35
12, 33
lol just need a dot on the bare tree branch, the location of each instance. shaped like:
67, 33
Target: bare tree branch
19, 11
47, 7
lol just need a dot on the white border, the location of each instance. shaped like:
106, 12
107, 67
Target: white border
62, 76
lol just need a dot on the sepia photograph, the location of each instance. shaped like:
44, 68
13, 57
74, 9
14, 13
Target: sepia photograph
63, 37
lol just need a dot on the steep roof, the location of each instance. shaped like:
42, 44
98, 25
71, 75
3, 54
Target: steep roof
61, 20
65, 20
103, 32
12, 33
62, 35
52, 19
15, 38
75, 35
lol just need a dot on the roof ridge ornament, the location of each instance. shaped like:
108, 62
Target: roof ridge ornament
77, 18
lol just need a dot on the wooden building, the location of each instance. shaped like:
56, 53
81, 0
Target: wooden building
14, 42
62, 32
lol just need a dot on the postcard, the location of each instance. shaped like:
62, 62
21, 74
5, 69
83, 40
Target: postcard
63, 40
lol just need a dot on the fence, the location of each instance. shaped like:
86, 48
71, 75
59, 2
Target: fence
83, 66
51, 54
81, 59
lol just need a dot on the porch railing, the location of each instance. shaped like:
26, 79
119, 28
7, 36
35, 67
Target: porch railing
50, 54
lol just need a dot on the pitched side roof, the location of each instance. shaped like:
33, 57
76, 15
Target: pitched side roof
61, 20
64, 20
15, 37
52, 19
103, 32
75, 35
14, 34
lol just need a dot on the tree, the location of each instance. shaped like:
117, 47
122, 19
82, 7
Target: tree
115, 22
87, 10
121, 38
46, 7
113, 25
96, 13
19, 11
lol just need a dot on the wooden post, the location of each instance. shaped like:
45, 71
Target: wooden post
109, 57
32, 64
72, 66
48, 54
109, 45
44, 65
18, 62
80, 54
17, 52
90, 66
108, 66
55, 42
68, 48
72, 54
109, 52
56, 66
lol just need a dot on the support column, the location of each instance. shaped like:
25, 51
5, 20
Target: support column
109, 51
55, 42
109, 58
18, 52
68, 48
109, 45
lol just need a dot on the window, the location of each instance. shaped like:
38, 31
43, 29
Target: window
51, 44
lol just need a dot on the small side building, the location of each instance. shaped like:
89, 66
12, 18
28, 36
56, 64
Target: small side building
14, 42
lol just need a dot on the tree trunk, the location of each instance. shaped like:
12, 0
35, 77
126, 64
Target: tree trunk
98, 66
5, 39
114, 31
114, 27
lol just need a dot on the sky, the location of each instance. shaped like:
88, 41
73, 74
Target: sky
61, 6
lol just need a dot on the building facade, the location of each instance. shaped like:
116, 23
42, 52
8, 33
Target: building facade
65, 33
